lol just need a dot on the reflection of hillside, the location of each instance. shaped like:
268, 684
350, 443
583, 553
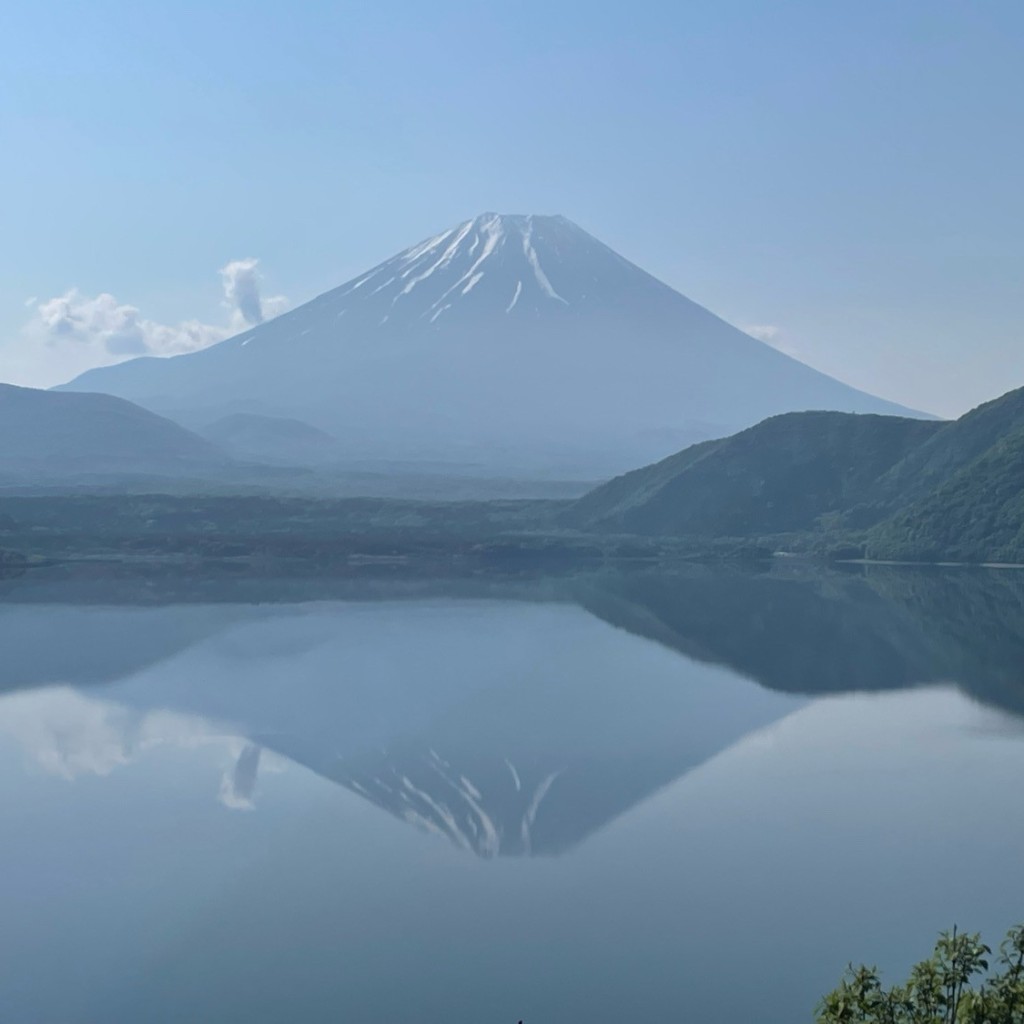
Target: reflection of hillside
809, 631
795, 628
973, 621
84, 644
89, 626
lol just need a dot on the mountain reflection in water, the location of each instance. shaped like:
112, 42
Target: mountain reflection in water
502, 715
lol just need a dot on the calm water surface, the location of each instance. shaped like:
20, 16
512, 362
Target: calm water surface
678, 797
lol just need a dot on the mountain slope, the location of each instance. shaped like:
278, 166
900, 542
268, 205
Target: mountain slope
516, 343
50, 436
976, 515
952, 449
272, 438
780, 476
924, 491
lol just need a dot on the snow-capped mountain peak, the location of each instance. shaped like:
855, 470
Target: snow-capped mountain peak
512, 343
511, 264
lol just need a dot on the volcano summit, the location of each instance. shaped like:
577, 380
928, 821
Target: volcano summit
511, 344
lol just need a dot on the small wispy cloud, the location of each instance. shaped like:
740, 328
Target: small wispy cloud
763, 332
772, 335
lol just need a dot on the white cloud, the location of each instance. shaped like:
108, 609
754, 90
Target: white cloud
771, 335
108, 327
242, 283
73, 332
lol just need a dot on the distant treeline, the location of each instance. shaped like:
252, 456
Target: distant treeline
324, 532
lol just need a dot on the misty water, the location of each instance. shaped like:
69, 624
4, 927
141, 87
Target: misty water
690, 795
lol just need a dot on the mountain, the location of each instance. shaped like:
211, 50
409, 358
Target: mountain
909, 489
950, 450
959, 496
58, 437
780, 476
272, 439
513, 344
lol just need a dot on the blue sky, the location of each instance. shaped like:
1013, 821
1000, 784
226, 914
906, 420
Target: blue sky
845, 174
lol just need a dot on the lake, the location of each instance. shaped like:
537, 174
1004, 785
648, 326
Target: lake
650, 796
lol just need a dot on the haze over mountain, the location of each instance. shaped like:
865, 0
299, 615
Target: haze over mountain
517, 343
272, 439
60, 438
